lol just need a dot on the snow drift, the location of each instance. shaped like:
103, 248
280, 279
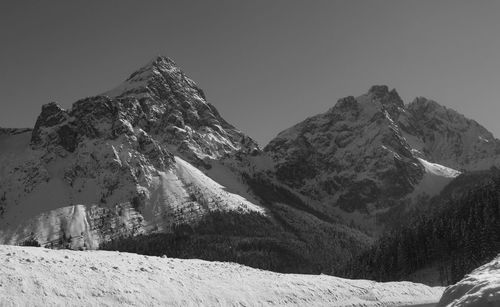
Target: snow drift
480, 288
37, 276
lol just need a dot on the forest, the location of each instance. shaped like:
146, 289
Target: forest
456, 233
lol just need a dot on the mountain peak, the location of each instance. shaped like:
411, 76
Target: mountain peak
157, 75
157, 64
423, 107
172, 103
379, 90
422, 102
386, 96
163, 59
154, 66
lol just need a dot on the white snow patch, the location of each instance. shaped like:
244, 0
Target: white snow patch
480, 288
436, 177
438, 169
483, 139
190, 175
41, 277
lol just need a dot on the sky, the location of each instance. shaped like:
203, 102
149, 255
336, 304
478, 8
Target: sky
265, 64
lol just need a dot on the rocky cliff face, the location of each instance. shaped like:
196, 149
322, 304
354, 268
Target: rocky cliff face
372, 153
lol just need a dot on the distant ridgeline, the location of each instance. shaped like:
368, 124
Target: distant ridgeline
457, 233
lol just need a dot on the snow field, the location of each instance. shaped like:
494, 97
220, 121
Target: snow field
42, 277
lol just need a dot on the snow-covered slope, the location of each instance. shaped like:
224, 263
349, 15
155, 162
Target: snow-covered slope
481, 288
43, 277
54, 211
369, 154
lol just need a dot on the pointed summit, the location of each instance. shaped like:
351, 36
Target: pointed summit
173, 103
382, 93
155, 66
161, 59
156, 77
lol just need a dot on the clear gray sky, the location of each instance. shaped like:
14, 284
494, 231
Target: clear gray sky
265, 65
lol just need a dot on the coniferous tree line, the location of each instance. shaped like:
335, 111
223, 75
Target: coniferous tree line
458, 234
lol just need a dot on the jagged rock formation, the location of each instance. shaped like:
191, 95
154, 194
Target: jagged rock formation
372, 153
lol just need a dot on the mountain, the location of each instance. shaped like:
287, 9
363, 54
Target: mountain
372, 155
153, 161
117, 149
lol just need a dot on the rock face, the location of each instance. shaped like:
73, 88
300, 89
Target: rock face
371, 153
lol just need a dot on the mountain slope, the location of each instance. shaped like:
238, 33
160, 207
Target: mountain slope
372, 155
42, 277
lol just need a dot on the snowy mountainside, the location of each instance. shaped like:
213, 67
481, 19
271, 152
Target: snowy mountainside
146, 158
370, 154
42, 277
106, 167
480, 288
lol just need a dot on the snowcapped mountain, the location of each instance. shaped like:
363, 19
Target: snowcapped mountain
106, 166
148, 157
372, 153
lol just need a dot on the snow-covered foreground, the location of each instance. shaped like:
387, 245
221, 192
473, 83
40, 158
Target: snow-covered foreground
32, 276
481, 288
